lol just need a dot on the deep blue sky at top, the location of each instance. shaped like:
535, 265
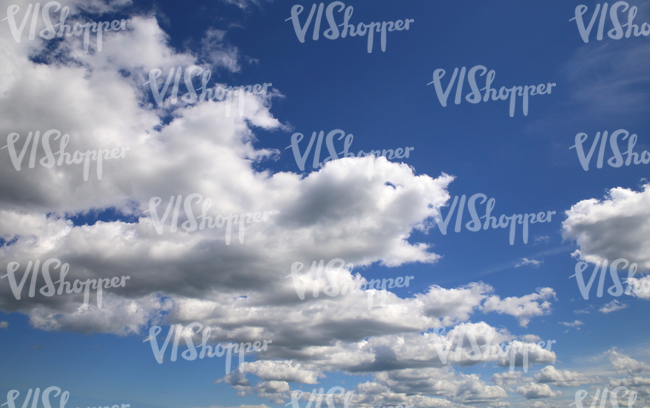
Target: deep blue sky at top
383, 99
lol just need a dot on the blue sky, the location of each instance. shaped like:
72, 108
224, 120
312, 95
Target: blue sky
244, 164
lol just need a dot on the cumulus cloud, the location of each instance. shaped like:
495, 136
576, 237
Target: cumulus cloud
281, 371
535, 391
240, 289
442, 382
561, 378
617, 226
635, 376
525, 355
4, 325
640, 287
525, 307
626, 364
530, 338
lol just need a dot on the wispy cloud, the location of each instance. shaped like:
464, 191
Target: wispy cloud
575, 324
612, 306
525, 261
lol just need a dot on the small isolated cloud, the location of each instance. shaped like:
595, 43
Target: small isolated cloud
525, 261
574, 324
616, 227
535, 391
4, 325
613, 306
542, 240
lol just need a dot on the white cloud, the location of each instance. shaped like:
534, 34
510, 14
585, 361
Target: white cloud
460, 388
640, 287
534, 391
523, 308
280, 371
525, 355
616, 227
530, 338
239, 290
562, 378
4, 325
625, 363
612, 306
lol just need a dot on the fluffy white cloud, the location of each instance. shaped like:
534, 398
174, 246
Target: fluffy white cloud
281, 371
616, 227
521, 354
530, 338
442, 382
524, 308
640, 287
240, 290
562, 378
625, 363
534, 391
